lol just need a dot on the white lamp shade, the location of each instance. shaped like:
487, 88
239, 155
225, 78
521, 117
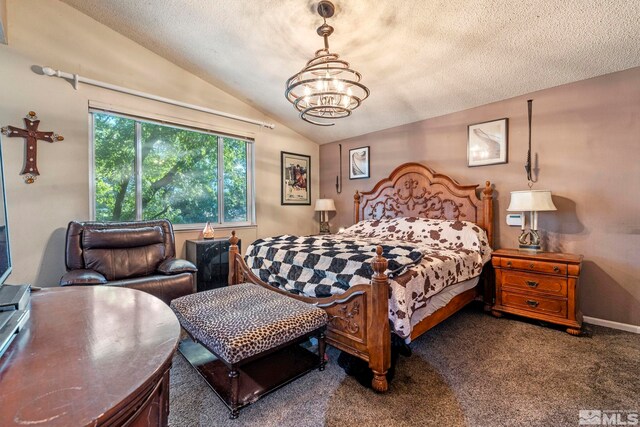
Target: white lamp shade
325, 205
531, 201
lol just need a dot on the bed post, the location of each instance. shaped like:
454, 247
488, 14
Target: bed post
356, 208
487, 210
487, 274
233, 250
379, 339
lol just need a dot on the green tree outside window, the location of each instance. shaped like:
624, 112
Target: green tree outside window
179, 170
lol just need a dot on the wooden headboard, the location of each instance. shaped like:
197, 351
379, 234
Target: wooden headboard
417, 191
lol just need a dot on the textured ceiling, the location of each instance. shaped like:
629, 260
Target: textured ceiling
420, 58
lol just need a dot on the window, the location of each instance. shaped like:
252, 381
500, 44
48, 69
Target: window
149, 170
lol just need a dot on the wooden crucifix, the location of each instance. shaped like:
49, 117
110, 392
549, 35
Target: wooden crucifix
32, 136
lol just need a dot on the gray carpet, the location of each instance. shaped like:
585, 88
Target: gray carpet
471, 370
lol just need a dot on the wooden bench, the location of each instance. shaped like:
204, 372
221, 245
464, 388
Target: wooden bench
253, 338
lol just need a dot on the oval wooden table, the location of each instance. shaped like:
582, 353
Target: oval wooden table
94, 355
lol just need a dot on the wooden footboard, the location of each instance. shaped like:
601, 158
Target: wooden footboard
358, 318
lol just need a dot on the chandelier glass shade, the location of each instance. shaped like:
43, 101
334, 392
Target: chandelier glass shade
326, 88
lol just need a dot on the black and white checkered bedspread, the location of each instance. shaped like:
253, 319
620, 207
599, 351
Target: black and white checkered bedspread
323, 266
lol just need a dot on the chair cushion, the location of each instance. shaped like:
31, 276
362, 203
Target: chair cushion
75, 231
121, 253
240, 321
175, 266
82, 277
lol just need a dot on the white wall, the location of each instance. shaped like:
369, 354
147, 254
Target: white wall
54, 34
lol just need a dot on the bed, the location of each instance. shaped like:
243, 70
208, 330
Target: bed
362, 315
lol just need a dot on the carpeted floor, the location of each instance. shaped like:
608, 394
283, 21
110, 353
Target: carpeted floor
471, 370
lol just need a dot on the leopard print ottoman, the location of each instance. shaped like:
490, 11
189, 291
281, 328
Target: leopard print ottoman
241, 321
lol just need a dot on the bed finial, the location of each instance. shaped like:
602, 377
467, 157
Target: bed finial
233, 278
233, 239
379, 263
356, 207
488, 191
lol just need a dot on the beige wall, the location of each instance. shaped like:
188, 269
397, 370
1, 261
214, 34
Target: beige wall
586, 136
52, 33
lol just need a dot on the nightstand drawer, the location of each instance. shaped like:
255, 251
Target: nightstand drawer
523, 282
536, 304
537, 266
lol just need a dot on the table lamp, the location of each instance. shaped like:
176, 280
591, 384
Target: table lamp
323, 206
532, 201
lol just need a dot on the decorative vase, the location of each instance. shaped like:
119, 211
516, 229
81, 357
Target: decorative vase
208, 232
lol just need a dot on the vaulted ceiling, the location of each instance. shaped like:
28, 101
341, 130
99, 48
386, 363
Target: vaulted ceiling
419, 58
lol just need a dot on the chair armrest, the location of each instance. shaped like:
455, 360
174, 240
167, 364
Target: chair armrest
82, 277
176, 266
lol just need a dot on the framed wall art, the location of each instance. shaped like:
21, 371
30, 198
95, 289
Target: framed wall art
295, 178
359, 163
487, 143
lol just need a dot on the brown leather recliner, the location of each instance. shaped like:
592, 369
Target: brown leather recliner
138, 255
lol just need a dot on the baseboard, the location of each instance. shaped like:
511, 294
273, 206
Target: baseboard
613, 325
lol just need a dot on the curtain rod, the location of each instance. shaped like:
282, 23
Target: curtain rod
75, 78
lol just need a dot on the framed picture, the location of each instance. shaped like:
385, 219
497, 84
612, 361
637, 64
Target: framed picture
359, 163
487, 143
295, 178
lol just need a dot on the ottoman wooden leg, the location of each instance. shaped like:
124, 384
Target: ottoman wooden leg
233, 375
321, 350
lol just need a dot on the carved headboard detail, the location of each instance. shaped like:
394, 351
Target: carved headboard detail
415, 190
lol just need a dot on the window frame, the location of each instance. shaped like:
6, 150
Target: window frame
138, 120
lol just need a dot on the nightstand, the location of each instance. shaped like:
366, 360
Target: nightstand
542, 285
212, 259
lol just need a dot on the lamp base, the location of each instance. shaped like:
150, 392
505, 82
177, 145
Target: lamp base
530, 240
324, 228
530, 248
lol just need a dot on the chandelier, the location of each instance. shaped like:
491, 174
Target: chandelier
326, 88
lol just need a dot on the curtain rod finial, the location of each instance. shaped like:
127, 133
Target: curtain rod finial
49, 71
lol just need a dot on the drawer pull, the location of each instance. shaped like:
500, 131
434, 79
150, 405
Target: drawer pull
556, 268
532, 265
532, 284
508, 263
532, 303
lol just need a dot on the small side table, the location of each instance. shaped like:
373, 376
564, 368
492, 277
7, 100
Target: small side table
542, 285
212, 259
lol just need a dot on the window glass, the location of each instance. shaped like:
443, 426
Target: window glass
235, 180
115, 186
178, 175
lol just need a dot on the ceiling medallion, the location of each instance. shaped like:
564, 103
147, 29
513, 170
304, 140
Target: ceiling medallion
326, 88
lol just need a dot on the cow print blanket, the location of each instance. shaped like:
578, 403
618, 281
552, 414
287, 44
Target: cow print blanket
436, 255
